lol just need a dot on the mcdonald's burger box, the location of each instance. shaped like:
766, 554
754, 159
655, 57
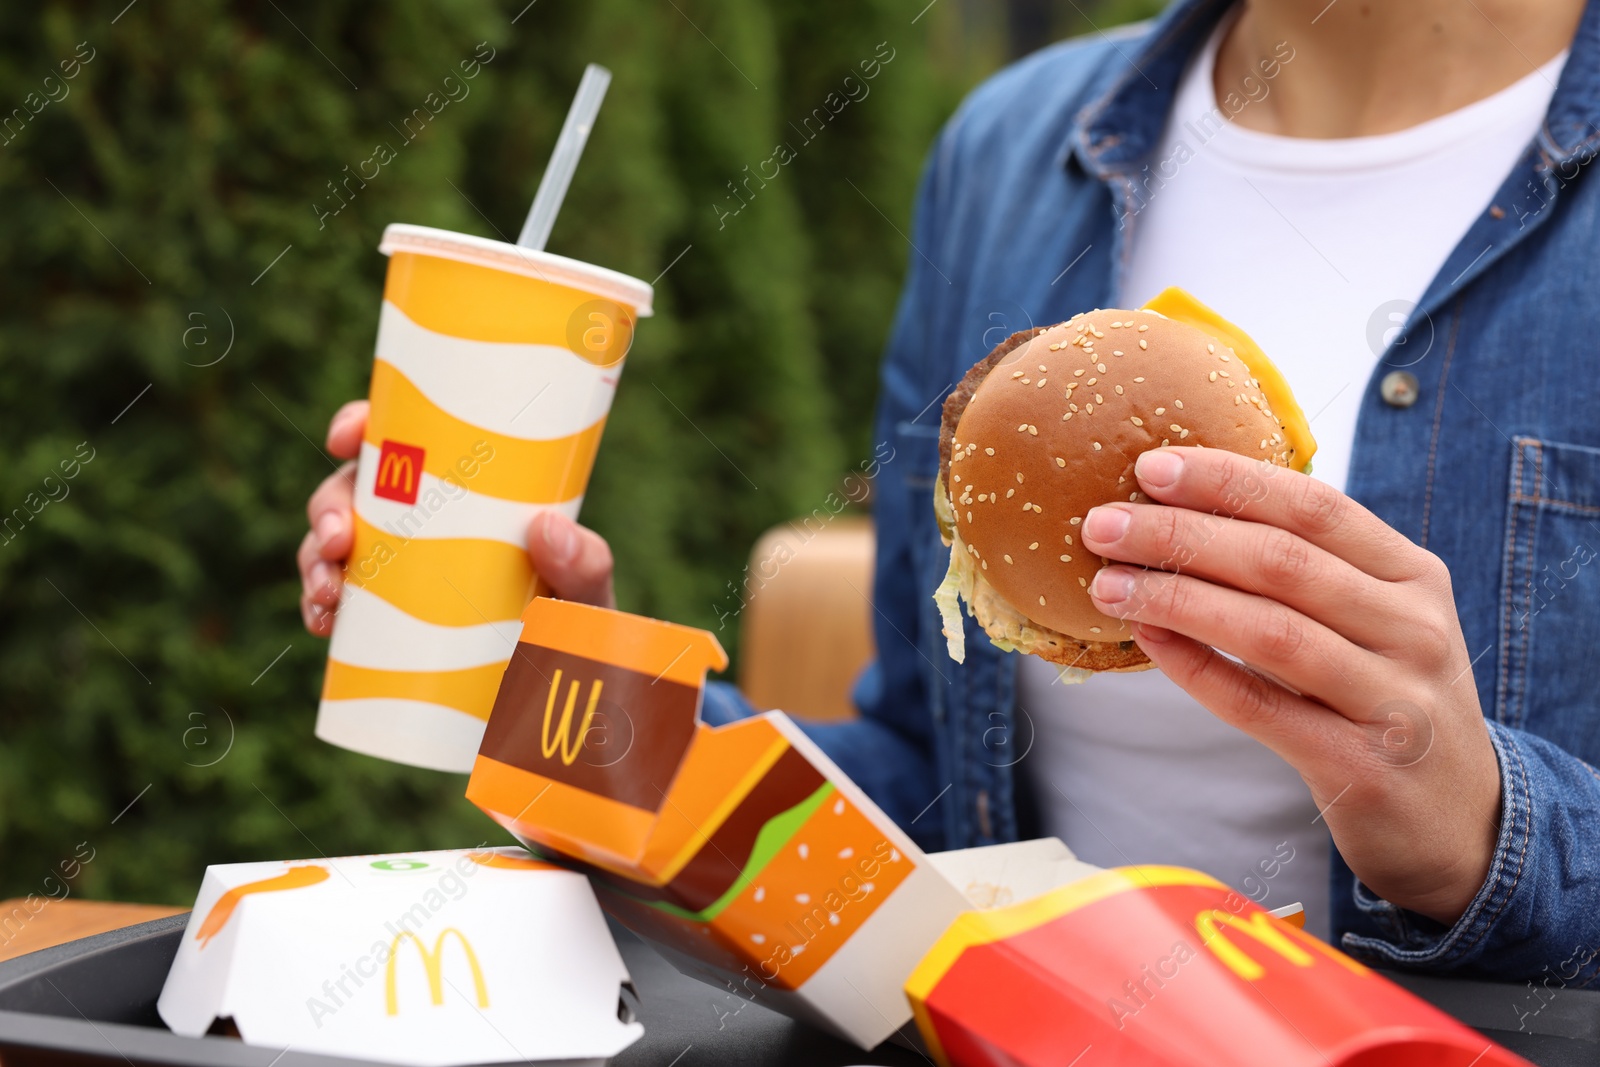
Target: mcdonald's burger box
740, 852
428, 958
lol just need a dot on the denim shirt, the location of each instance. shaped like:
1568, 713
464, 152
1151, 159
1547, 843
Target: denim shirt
1022, 220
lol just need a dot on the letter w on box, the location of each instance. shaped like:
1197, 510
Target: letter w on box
599, 727
596, 714
399, 472
563, 742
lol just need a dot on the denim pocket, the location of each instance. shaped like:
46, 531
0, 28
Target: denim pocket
1550, 595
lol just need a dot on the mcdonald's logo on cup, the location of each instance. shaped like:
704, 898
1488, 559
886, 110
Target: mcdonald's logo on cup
399, 472
432, 963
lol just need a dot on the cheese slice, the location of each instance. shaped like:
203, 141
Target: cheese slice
1180, 306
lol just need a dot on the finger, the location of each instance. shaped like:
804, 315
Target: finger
307, 556
324, 583
1216, 481
318, 619
346, 427
331, 510
321, 581
1303, 732
574, 561
1255, 558
1302, 652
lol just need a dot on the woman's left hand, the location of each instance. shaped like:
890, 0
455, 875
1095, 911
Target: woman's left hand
1358, 674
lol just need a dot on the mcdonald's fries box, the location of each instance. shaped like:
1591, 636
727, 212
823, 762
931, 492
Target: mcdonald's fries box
1167, 967
429, 958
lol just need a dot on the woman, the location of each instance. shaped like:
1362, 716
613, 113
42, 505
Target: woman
1392, 200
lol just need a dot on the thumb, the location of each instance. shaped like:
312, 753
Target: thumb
346, 427
574, 561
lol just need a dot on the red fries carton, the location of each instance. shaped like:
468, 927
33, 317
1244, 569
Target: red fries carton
1167, 967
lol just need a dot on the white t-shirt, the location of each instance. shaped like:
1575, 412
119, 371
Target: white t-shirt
1319, 249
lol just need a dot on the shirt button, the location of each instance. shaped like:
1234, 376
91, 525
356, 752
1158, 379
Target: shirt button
1399, 388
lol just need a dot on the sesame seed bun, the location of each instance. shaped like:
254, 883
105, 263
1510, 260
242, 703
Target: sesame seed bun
1047, 427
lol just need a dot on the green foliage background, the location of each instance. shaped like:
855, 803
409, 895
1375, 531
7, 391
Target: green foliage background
148, 618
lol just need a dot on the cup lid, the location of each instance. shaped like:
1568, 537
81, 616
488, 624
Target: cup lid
447, 244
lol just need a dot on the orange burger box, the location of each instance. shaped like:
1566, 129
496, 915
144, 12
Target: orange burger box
1166, 967
741, 852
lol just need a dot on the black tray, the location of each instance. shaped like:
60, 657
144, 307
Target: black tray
94, 1002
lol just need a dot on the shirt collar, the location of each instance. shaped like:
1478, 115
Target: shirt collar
1124, 122
1572, 125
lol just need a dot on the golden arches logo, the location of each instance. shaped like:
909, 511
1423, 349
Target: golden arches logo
399, 472
563, 742
431, 966
1289, 942
395, 468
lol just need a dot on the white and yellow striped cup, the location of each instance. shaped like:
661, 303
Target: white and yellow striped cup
494, 372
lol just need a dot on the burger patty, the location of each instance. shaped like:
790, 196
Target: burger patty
957, 401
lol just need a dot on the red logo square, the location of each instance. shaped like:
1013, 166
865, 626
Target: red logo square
399, 472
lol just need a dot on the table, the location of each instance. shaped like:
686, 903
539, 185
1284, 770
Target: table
60, 921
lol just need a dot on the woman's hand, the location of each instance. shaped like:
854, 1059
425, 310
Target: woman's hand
1358, 674
574, 561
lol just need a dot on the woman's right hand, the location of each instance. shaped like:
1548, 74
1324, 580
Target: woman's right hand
573, 560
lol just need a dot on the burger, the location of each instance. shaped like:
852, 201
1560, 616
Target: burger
1048, 426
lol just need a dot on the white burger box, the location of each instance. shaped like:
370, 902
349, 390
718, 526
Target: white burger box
429, 958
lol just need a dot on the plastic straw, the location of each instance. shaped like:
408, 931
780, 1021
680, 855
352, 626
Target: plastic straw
564, 160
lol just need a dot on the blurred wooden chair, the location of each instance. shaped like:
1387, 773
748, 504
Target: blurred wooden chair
806, 628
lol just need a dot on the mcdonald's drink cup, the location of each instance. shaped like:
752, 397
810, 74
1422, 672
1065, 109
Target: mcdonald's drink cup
426, 958
494, 373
